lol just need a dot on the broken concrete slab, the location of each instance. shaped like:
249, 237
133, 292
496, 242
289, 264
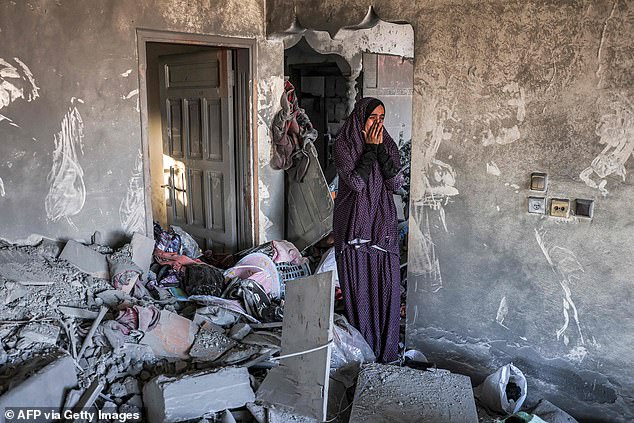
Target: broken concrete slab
45, 388
300, 382
86, 259
142, 250
173, 336
12, 291
390, 393
172, 399
38, 332
209, 345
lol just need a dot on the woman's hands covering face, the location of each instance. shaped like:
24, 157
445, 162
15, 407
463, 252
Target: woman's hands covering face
374, 135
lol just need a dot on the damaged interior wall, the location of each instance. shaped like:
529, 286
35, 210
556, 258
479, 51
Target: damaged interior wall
71, 153
503, 89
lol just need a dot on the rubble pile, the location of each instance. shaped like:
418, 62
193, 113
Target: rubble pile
146, 322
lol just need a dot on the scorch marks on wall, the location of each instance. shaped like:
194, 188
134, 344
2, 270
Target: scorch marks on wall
67, 191
132, 207
439, 179
16, 81
568, 270
501, 123
616, 131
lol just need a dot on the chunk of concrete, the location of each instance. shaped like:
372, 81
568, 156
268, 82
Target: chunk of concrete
39, 332
257, 411
86, 259
239, 331
209, 345
172, 399
400, 394
142, 250
45, 388
300, 383
173, 336
283, 415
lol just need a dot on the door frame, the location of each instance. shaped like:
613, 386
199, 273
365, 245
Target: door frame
246, 145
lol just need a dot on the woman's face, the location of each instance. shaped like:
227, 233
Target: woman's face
378, 115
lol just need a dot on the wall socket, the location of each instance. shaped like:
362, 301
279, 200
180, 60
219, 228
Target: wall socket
559, 207
537, 205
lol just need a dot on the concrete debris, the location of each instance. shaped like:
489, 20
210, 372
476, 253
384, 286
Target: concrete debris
12, 291
283, 415
172, 399
257, 411
86, 259
38, 332
265, 339
239, 331
300, 382
45, 388
210, 345
389, 393
131, 386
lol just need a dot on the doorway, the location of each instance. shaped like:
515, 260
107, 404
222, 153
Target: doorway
196, 106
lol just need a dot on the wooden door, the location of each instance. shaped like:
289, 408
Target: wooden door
197, 107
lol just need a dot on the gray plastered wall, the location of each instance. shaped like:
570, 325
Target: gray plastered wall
69, 70
503, 89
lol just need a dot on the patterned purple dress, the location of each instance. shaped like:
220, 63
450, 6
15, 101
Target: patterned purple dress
366, 237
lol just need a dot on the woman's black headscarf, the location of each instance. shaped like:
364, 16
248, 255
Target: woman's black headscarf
373, 103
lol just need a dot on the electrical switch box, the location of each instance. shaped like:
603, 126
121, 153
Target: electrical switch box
559, 207
538, 181
537, 205
583, 208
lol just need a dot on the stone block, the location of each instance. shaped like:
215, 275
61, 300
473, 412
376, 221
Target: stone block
192, 395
